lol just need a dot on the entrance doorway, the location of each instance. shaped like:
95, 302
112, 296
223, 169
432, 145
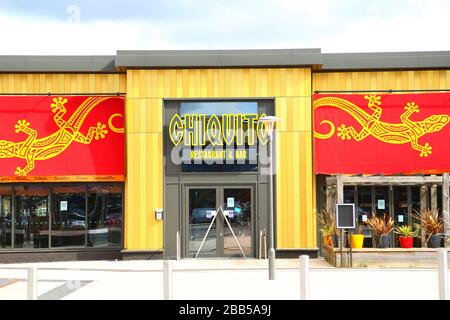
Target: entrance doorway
202, 204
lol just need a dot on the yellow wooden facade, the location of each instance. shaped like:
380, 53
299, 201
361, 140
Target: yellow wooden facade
382, 80
66, 83
291, 89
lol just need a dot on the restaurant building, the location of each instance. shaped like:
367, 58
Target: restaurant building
153, 154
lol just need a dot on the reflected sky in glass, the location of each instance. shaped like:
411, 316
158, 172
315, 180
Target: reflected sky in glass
218, 108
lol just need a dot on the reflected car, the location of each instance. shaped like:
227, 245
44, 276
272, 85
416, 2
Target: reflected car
76, 220
200, 215
114, 219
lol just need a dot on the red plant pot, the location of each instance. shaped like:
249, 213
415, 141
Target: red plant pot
406, 242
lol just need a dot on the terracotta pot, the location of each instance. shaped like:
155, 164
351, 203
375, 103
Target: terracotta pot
406, 242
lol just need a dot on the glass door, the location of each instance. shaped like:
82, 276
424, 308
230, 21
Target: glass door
202, 206
219, 221
238, 210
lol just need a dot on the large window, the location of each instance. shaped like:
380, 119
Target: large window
69, 216
5, 217
105, 216
61, 216
247, 163
31, 217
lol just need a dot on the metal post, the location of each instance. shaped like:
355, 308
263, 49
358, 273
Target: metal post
265, 244
271, 232
443, 274
304, 277
350, 246
168, 280
260, 244
423, 205
339, 200
178, 245
445, 206
32, 283
342, 245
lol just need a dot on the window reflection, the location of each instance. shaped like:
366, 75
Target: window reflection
31, 217
26, 212
105, 216
5, 217
401, 205
247, 162
69, 216
218, 107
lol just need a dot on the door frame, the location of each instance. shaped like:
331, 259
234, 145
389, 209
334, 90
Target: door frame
219, 221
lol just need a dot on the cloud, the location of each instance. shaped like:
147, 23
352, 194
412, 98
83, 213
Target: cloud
334, 26
424, 30
41, 36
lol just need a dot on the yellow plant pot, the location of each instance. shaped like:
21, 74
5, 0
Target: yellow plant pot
357, 241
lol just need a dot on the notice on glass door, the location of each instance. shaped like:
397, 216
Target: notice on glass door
230, 202
63, 206
381, 204
210, 214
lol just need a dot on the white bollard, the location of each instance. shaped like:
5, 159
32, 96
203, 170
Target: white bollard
443, 274
271, 264
304, 277
32, 283
168, 280
178, 246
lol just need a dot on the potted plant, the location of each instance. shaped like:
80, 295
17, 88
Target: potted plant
328, 227
381, 228
357, 240
407, 234
433, 226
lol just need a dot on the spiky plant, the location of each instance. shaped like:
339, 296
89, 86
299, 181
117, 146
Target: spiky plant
381, 225
430, 221
328, 222
406, 231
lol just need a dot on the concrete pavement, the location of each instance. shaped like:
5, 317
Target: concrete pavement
214, 279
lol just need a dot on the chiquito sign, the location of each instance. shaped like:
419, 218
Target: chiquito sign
218, 138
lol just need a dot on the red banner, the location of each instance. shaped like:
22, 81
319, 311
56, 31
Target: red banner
382, 134
53, 138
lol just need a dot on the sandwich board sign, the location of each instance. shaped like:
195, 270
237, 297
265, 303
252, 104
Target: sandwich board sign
345, 216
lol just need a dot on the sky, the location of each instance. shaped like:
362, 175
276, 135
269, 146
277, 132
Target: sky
102, 27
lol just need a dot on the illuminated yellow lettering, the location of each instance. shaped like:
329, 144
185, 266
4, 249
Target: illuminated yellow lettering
239, 130
190, 130
176, 129
262, 132
201, 130
251, 118
213, 131
228, 128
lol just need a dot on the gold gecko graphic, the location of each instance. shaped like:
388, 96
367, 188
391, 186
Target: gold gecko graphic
33, 149
405, 131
